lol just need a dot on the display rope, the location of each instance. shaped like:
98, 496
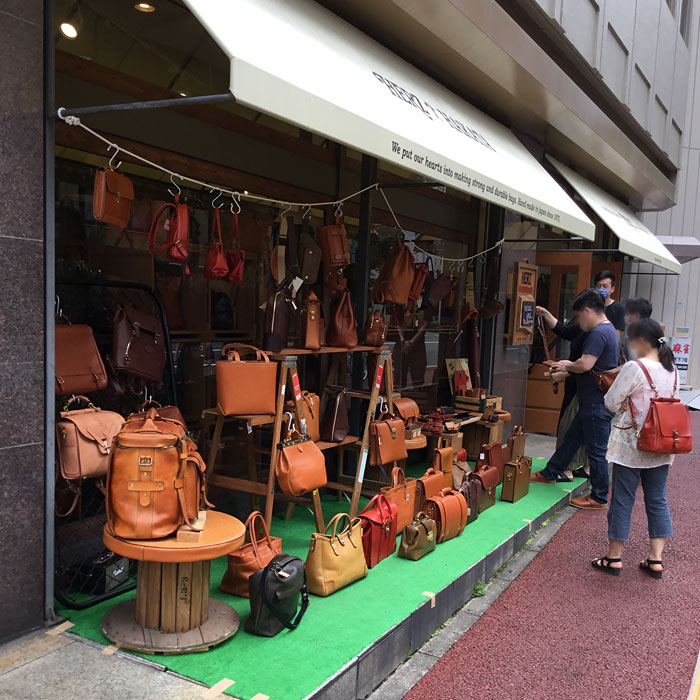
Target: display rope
238, 196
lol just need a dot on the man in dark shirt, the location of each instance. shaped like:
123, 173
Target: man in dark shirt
605, 283
591, 426
636, 309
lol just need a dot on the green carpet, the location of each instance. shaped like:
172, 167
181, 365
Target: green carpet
338, 628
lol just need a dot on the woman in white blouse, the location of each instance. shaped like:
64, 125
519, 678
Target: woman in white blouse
630, 465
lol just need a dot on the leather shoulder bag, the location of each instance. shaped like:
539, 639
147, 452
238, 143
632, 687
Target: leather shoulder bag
235, 256
343, 326
402, 493
449, 511
488, 476
606, 378
138, 344
407, 409
396, 276
245, 387
430, 484
177, 227
256, 554
334, 246
336, 424
112, 197
375, 330
301, 466
312, 331
215, 265
79, 366
378, 529
471, 490
337, 559
387, 440
309, 257
516, 479
418, 538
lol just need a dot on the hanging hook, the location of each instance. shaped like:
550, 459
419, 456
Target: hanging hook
289, 422
338, 209
306, 211
237, 201
179, 190
288, 209
59, 310
213, 201
114, 155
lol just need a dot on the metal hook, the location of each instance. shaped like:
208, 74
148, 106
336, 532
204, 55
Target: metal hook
213, 201
114, 155
338, 209
179, 190
289, 422
59, 311
288, 209
237, 201
306, 211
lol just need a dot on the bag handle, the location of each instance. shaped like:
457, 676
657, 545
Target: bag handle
289, 623
430, 471
250, 525
152, 245
216, 228
334, 522
398, 477
261, 355
235, 233
78, 397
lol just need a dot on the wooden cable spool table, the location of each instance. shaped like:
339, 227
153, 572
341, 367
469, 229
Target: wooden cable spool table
172, 612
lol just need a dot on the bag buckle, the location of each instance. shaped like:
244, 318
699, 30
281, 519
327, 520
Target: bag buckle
393, 433
145, 461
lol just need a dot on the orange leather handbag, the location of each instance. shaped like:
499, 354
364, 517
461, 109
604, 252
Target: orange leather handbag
449, 511
235, 257
215, 265
378, 529
387, 440
430, 484
395, 277
112, 197
301, 466
402, 493
79, 367
245, 387
442, 462
177, 227
256, 554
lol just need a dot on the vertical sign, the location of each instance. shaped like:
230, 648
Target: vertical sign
681, 344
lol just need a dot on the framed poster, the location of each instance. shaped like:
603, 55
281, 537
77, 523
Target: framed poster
521, 321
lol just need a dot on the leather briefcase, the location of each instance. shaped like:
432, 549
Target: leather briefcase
156, 479
396, 276
245, 387
112, 197
84, 440
343, 326
407, 410
516, 479
418, 538
256, 554
402, 493
516, 443
312, 331
309, 407
442, 462
387, 440
449, 511
488, 476
334, 246
139, 344
301, 466
276, 592
338, 559
79, 367
336, 423
378, 529
429, 485
495, 457
375, 330
471, 490
177, 227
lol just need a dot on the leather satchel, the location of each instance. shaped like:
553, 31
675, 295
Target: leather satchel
278, 312
402, 493
442, 462
215, 265
235, 256
276, 593
177, 226
375, 330
245, 387
256, 554
156, 479
488, 476
309, 258
112, 197
396, 276
336, 425
516, 443
495, 457
84, 440
334, 246
336, 559
79, 367
387, 440
471, 490
312, 331
378, 529
449, 511
406, 409
516, 479
429, 485
343, 326
418, 538
309, 407
301, 466
138, 344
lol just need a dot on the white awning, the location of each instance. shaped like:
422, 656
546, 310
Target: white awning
635, 239
297, 61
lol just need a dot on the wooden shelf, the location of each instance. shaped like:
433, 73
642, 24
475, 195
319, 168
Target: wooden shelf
325, 350
252, 420
349, 440
362, 394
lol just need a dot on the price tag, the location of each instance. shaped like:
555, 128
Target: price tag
380, 372
297, 386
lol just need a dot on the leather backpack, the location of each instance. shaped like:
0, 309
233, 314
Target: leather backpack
375, 330
336, 424
418, 538
334, 246
156, 479
301, 466
112, 197
235, 256
312, 330
449, 511
407, 409
442, 462
395, 277
215, 265
378, 529
420, 277
177, 243
138, 344
79, 367
343, 326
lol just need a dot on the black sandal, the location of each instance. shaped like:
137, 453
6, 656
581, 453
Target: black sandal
598, 564
645, 566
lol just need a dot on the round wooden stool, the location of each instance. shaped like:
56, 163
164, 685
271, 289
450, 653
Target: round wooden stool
172, 612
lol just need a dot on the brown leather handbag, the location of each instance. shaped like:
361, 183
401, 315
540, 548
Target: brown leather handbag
495, 457
84, 440
334, 246
418, 538
343, 326
336, 559
516, 443
471, 490
79, 367
138, 344
301, 466
309, 407
488, 476
378, 529
156, 479
215, 265
387, 440
256, 554
177, 228
245, 387
449, 511
312, 331
429, 485
336, 424
395, 277
442, 462
375, 330
407, 409
235, 256
420, 276
402, 493
516, 479
112, 197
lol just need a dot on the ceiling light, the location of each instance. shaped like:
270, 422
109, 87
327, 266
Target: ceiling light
144, 7
68, 30
183, 94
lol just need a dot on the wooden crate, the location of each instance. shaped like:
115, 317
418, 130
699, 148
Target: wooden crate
478, 434
465, 403
453, 440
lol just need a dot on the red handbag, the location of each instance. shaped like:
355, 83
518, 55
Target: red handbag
378, 529
177, 245
667, 428
235, 257
215, 266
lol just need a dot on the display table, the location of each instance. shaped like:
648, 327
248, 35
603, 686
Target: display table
172, 612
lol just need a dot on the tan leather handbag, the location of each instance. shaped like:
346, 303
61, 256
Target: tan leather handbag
343, 326
336, 559
256, 554
84, 440
442, 462
312, 330
79, 367
112, 197
429, 485
449, 511
245, 387
418, 538
309, 407
301, 466
387, 440
396, 276
402, 493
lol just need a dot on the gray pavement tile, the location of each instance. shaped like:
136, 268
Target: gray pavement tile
455, 628
404, 678
545, 533
478, 606
32, 646
517, 564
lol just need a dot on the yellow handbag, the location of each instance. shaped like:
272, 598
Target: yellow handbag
335, 560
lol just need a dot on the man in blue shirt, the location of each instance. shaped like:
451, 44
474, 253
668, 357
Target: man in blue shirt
591, 425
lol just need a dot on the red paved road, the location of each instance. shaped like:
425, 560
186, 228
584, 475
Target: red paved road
563, 630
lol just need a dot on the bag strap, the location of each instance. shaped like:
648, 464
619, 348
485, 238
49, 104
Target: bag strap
251, 522
287, 622
261, 355
216, 228
152, 244
235, 233
645, 371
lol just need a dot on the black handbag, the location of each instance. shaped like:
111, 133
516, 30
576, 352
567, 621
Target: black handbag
276, 592
335, 424
278, 311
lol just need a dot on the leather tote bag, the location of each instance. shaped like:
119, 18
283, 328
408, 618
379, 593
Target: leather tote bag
337, 559
309, 407
336, 424
334, 246
312, 331
343, 326
257, 553
215, 265
378, 529
429, 485
471, 490
516, 479
449, 511
387, 440
395, 277
85, 440
418, 538
375, 330
177, 227
402, 493
112, 197
79, 367
235, 255
245, 387
276, 593
138, 347
301, 466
